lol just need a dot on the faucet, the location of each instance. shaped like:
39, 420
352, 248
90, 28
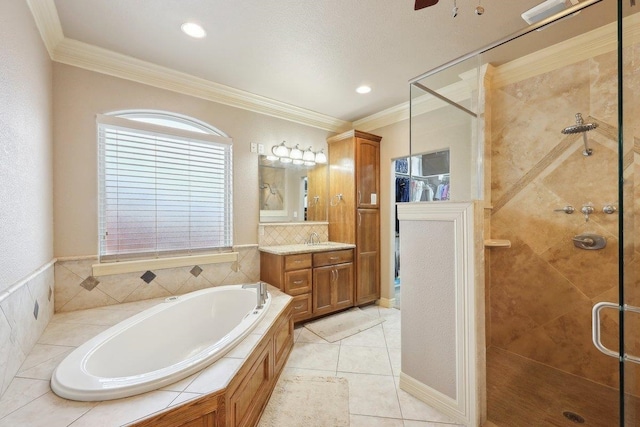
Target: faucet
261, 293
311, 238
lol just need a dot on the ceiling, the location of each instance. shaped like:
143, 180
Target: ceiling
310, 54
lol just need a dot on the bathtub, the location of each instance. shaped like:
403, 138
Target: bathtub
160, 345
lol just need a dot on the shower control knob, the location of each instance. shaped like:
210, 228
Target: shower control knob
609, 209
566, 209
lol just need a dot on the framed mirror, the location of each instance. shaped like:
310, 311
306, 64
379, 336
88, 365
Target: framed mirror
291, 193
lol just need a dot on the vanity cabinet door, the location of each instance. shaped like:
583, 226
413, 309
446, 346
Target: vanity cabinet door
322, 290
332, 288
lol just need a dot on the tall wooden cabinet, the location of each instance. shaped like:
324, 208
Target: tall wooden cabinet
354, 214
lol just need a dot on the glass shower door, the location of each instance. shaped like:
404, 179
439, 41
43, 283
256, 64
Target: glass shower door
629, 195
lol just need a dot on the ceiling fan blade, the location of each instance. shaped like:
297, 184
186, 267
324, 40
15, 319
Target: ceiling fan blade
421, 4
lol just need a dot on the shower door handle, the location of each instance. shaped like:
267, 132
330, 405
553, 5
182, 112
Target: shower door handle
595, 330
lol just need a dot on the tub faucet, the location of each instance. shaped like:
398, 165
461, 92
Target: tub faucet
311, 238
261, 293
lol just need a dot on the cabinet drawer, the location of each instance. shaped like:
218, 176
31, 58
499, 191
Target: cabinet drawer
301, 306
297, 282
333, 257
297, 262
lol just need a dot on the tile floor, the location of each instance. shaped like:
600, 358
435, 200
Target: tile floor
370, 360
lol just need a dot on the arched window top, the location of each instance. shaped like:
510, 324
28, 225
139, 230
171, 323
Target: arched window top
171, 120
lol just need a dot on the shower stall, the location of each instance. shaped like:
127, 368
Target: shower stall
561, 285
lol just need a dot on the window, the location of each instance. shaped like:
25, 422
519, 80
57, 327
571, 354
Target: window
165, 186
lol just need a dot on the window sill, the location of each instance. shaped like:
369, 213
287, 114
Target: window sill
121, 267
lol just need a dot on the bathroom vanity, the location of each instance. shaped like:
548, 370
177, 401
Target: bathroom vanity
320, 277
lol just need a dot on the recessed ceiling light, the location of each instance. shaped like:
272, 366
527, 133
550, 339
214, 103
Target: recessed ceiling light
363, 89
194, 30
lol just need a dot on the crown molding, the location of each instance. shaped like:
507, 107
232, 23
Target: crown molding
93, 58
82, 55
46, 16
457, 92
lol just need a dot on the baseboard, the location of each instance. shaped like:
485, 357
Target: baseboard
387, 302
434, 398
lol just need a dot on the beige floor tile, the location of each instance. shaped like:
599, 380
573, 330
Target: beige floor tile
183, 397
44, 370
242, 350
48, 410
41, 353
21, 391
392, 338
314, 356
69, 334
182, 384
122, 411
364, 421
215, 376
371, 310
372, 337
395, 359
364, 360
372, 395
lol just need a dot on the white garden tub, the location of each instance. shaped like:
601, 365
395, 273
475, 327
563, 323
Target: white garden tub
160, 345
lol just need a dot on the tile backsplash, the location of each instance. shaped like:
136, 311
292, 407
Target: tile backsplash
24, 313
77, 289
272, 234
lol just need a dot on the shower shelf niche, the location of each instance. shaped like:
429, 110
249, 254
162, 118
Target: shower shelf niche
497, 243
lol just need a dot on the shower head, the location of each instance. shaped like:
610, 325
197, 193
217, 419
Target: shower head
580, 126
583, 128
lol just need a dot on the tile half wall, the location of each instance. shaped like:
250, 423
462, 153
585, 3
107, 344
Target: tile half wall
25, 311
77, 289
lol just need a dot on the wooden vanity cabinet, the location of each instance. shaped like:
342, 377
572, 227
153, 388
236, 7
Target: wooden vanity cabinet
324, 284
292, 274
354, 173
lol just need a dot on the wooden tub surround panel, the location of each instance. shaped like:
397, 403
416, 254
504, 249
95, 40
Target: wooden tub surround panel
241, 403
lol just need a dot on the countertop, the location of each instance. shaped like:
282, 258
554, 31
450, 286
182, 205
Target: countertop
302, 248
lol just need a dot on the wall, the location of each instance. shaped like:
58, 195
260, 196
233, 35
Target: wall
542, 288
435, 130
80, 94
26, 238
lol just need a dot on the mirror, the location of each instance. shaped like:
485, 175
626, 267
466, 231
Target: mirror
291, 193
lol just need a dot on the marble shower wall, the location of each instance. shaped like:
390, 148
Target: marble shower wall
24, 314
77, 289
542, 289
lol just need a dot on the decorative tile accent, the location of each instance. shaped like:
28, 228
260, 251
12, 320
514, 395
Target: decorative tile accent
36, 308
118, 288
89, 283
148, 276
196, 271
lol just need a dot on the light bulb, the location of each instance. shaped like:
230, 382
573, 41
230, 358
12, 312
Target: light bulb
321, 157
296, 152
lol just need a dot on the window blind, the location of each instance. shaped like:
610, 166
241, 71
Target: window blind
163, 191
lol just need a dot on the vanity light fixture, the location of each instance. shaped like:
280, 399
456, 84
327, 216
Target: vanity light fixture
280, 150
296, 156
296, 153
308, 155
321, 157
193, 30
